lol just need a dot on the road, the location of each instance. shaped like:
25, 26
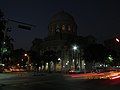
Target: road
57, 82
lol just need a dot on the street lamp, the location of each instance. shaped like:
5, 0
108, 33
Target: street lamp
117, 40
74, 55
25, 54
28, 62
75, 47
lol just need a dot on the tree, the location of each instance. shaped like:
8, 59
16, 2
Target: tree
36, 59
95, 53
17, 55
6, 45
89, 40
113, 48
36, 45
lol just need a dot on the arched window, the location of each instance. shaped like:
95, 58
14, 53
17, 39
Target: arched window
63, 27
57, 28
69, 28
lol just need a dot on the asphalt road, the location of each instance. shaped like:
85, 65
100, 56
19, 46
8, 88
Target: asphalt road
57, 82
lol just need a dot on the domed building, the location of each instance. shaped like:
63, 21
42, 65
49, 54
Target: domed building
63, 23
62, 36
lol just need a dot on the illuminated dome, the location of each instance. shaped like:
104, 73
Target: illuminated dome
62, 22
62, 16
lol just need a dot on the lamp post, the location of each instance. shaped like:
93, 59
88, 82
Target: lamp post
74, 56
26, 55
28, 60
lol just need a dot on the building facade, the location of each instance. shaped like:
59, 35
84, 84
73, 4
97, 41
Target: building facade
62, 38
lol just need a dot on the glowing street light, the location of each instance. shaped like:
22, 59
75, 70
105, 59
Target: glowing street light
75, 47
74, 56
25, 54
28, 61
117, 40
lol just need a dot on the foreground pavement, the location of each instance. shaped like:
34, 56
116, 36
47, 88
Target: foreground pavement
53, 81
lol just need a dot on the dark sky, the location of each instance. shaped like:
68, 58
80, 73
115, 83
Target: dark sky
100, 18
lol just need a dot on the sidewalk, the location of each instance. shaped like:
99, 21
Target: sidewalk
20, 74
6, 75
13, 74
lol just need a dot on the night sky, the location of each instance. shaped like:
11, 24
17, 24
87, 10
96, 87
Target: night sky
100, 18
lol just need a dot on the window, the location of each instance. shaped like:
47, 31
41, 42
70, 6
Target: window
57, 28
69, 28
63, 27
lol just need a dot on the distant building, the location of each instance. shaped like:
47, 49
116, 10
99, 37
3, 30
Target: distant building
62, 37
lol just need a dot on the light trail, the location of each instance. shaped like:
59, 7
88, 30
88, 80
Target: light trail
106, 75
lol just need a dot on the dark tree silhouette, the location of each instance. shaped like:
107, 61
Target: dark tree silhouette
6, 45
17, 55
95, 53
36, 59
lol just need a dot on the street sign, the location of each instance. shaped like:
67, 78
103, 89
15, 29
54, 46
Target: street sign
24, 27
